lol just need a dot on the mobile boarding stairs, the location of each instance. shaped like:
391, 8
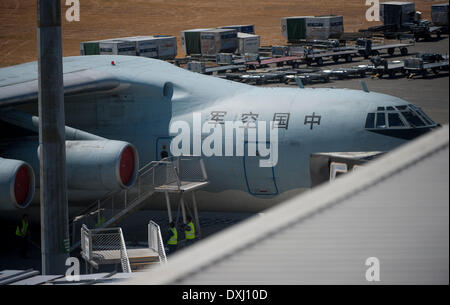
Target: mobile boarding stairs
105, 244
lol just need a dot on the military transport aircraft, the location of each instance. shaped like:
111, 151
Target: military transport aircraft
119, 109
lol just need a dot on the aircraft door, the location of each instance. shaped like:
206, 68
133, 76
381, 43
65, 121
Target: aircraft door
260, 180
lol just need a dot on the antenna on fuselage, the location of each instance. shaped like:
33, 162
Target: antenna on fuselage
299, 83
364, 86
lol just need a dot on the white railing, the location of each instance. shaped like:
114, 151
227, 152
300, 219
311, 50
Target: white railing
155, 241
104, 246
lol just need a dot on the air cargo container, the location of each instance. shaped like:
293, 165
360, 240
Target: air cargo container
248, 43
90, 47
439, 14
247, 28
218, 41
190, 41
167, 46
117, 47
312, 27
397, 13
145, 45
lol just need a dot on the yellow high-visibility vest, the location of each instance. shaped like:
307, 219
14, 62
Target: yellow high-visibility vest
174, 238
191, 233
24, 230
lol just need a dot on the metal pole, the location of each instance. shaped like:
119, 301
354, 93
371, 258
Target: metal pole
197, 221
169, 209
183, 211
52, 150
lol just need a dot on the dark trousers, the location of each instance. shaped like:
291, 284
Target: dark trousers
172, 248
23, 246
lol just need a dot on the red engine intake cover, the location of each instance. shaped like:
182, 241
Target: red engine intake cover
126, 165
22, 185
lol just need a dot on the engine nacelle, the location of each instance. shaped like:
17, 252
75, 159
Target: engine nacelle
17, 184
101, 165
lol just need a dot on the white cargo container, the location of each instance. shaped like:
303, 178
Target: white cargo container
117, 47
248, 43
439, 14
312, 27
243, 28
167, 46
145, 45
218, 41
397, 13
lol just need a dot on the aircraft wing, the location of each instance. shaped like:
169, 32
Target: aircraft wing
76, 82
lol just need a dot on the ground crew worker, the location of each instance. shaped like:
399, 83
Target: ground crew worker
189, 231
101, 221
172, 243
23, 235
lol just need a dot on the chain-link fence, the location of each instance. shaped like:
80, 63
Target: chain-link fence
104, 246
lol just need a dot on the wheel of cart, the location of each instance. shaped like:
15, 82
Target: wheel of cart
319, 61
391, 51
348, 58
425, 73
391, 74
435, 71
335, 58
309, 61
362, 74
404, 51
375, 53
326, 79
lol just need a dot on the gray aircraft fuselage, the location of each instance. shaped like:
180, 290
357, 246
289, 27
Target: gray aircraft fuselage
153, 93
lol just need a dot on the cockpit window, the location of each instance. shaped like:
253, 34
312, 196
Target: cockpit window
398, 117
370, 120
381, 120
394, 120
413, 119
400, 107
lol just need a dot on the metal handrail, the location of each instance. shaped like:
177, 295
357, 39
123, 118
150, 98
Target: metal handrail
154, 229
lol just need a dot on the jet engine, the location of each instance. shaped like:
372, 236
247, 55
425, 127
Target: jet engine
17, 184
101, 165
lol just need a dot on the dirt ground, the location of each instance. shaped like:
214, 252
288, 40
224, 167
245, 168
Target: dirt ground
116, 18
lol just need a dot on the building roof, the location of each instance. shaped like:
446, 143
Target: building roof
396, 209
